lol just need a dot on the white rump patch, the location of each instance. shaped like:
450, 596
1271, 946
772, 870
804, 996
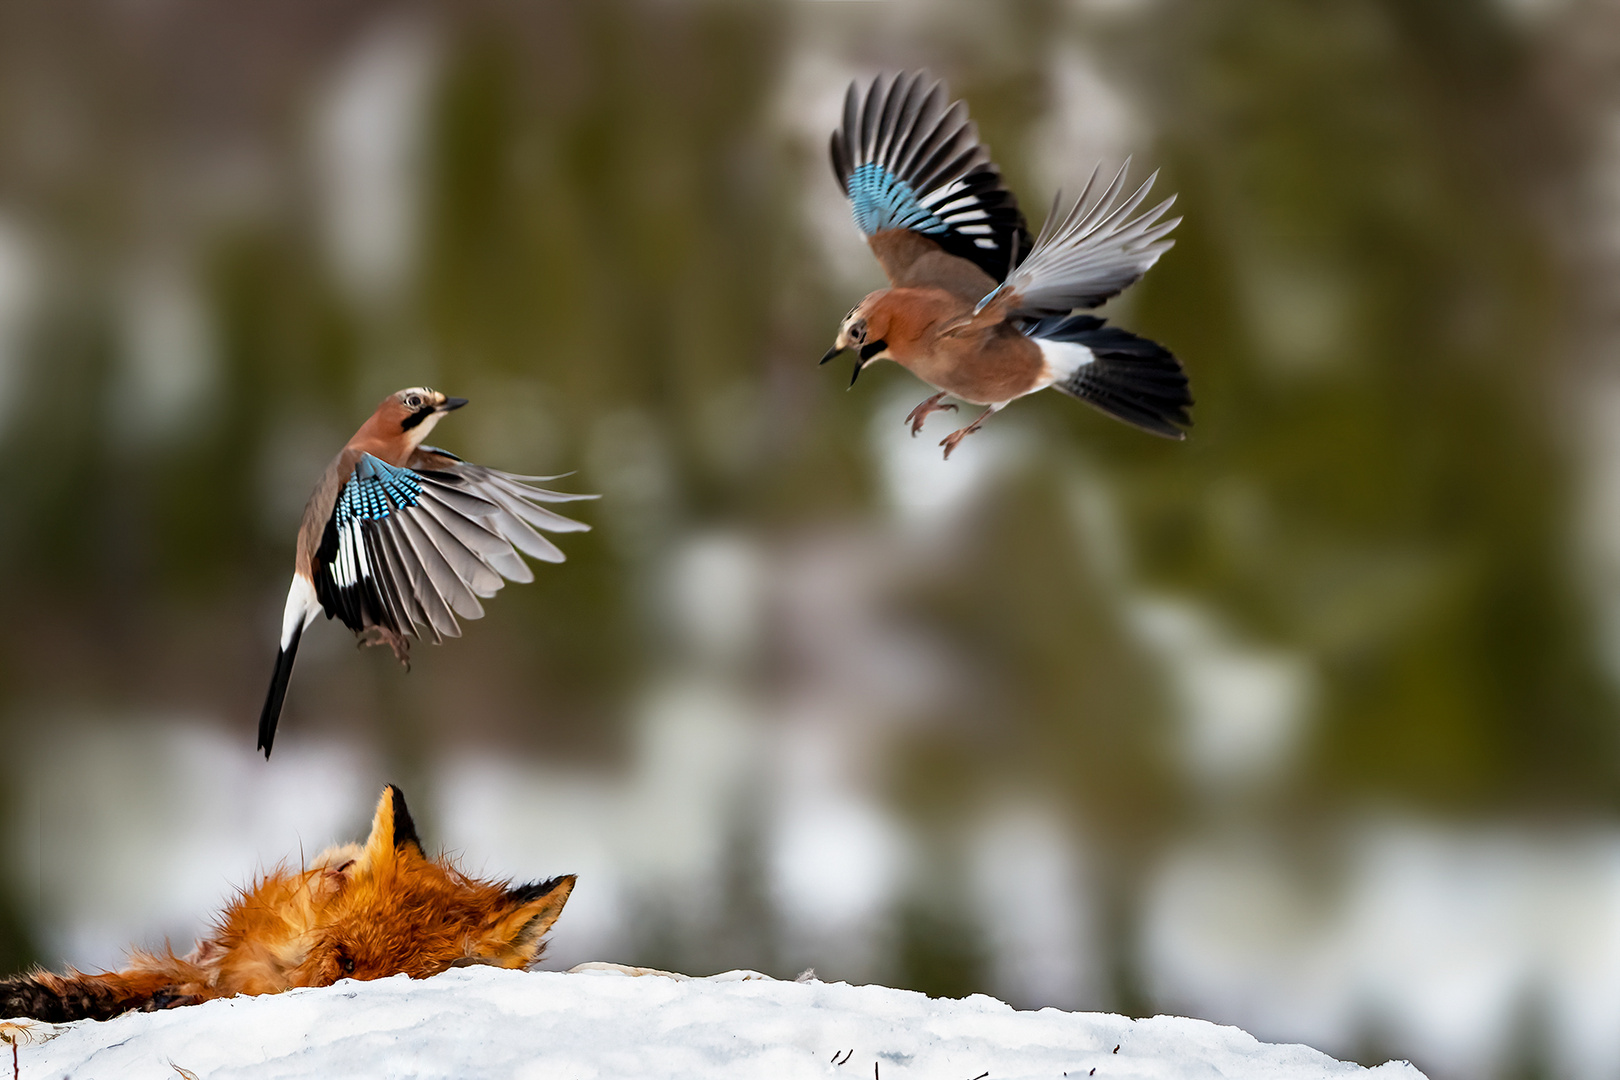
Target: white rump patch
302, 607
1063, 358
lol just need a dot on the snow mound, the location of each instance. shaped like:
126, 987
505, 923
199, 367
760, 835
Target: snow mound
484, 1022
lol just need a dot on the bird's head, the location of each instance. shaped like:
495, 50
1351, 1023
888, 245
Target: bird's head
411, 414
859, 332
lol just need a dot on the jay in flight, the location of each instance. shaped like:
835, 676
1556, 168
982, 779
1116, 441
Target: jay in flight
974, 308
400, 538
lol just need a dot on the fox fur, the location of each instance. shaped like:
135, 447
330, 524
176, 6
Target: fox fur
358, 912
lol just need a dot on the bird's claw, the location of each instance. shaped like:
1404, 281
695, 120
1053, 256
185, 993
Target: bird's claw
949, 442
917, 416
381, 635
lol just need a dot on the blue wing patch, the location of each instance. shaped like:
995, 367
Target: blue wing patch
352, 584
910, 161
375, 490
881, 200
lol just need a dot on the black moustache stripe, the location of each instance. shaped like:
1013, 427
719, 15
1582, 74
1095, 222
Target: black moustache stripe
418, 416
872, 348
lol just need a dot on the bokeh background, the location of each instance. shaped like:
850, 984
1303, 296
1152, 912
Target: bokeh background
1307, 724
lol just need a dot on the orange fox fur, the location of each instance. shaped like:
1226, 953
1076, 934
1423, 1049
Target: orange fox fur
359, 912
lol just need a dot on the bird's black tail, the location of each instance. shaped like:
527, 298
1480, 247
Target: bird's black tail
278, 691
1130, 378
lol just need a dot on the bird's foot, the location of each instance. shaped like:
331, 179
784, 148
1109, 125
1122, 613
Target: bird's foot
381, 635
916, 416
949, 442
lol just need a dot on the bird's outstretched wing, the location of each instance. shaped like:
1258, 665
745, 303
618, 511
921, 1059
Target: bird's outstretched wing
407, 549
1087, 255
921, 186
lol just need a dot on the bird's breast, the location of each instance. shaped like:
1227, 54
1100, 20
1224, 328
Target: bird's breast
984, 369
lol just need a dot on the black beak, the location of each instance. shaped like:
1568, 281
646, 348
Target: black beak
451, 404
832, 352
859, 364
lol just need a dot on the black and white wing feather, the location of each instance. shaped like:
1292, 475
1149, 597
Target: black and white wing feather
407, 550
1091, 253
911, 161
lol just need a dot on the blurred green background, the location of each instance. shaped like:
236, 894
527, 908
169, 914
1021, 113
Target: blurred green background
1306, 724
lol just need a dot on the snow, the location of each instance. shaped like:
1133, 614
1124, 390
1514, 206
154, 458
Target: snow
486, 1022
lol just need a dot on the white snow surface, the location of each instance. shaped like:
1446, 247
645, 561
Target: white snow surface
485, 1022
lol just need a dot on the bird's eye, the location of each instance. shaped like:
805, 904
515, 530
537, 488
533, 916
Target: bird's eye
414, 402
857, 332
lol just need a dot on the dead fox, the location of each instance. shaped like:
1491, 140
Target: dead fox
357, 913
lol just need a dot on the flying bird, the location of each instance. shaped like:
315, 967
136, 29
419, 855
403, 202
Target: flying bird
399, 538
975, 308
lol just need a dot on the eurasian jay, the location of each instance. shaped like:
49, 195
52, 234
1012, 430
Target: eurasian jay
974, 308
400, 538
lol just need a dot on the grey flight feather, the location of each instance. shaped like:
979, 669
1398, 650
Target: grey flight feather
1089, 254
431, 576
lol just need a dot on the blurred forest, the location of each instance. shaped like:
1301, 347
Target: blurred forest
1237, 727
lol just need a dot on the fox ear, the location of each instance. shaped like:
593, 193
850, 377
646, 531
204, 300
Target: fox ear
516, 936
392, 829
404, 827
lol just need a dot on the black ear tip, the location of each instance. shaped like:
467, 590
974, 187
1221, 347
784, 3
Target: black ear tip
404, 827
523, 894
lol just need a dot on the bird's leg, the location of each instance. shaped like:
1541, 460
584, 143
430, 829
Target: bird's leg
949, 442
916, 416
381, 635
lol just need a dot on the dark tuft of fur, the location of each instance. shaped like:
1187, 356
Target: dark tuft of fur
522, 894
1132, 379
58, 1000
404, 827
